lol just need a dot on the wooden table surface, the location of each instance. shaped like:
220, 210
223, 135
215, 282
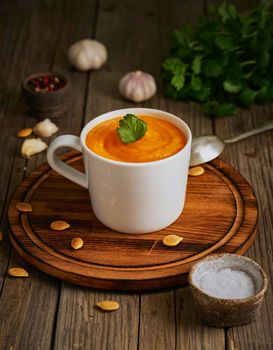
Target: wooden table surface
41, 312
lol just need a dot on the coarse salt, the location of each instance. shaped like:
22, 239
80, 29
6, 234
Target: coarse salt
227, 283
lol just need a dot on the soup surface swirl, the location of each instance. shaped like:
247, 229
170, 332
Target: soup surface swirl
162, 139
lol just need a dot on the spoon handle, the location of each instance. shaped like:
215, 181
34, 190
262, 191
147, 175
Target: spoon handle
264, 127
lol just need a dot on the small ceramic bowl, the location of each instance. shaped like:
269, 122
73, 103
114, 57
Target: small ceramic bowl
43, 105
228, 289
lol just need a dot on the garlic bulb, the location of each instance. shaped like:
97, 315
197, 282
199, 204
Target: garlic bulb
32, 146
137, 86
45, 128
87, 54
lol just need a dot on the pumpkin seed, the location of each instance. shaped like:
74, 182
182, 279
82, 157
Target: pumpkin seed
1, 236
59, 225
17, 272
108, 305
172, 240
23, 206
76, 243
196, 171
24, 132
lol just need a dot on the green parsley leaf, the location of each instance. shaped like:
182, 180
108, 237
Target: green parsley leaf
266, 94
131, 128
224, 61
225, 42
178, 68
227, 11
247, 96
264, 59
196, 83
217, 109
196, 64
232, 87
212, 68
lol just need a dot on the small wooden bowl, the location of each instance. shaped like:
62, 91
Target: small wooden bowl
220, 312
48, 104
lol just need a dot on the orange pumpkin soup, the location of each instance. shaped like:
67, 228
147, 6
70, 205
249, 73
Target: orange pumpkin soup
162, 139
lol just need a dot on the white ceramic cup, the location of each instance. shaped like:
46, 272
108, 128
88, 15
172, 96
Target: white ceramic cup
129, 197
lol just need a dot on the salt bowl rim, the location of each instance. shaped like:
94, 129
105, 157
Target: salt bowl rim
250, 299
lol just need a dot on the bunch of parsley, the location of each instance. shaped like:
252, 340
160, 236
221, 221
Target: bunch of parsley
223, 62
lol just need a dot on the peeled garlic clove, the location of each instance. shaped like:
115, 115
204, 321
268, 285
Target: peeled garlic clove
45, 128
87, 54
32, 146
137, 86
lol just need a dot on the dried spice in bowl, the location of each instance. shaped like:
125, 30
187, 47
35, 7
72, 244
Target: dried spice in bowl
46, 83
46, 94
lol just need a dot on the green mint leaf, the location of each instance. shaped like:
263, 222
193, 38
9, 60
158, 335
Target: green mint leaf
131, 128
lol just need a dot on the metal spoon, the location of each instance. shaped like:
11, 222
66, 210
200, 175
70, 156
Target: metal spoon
206, 148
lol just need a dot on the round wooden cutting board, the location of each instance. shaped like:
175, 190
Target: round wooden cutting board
220, 215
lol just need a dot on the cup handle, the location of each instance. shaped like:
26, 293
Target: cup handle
61, 167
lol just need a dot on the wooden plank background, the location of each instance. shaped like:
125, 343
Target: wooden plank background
43, 313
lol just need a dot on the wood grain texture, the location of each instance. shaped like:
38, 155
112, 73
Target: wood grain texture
158, 19
28, 309
190, 332
253, 157
27, 47
220, 215
84, 326
180, 13
29, 322
16, 48
101, 92
21, 303
157, 321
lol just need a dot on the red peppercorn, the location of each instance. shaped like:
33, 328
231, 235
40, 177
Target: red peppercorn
46, 83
